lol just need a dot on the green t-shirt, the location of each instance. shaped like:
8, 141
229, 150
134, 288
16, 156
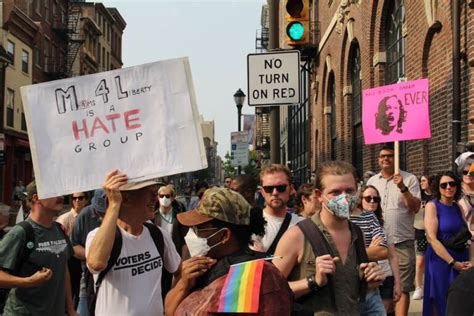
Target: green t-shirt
52, 251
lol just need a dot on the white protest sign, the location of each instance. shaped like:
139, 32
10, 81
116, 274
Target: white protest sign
274, 78
141, 120
239, 148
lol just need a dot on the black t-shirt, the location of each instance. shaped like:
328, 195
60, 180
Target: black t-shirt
461, 295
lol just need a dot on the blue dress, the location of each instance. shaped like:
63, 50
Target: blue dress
438, 274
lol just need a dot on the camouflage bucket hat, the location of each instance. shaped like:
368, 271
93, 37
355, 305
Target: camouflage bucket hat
218, 203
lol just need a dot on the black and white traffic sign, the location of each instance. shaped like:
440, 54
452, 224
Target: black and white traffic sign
274, 78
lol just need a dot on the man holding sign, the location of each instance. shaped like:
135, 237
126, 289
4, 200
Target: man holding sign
400, 202
135, 267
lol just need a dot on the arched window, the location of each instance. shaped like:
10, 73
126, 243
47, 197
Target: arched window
356, 109
331, 102
395, 48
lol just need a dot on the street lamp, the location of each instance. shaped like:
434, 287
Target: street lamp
239, 98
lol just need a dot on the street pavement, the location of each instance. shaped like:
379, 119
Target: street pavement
415, 306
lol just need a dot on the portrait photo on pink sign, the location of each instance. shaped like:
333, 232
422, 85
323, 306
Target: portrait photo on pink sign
396, 112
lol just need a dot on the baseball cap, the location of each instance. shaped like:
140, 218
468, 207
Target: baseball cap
99, 201
218, 203
139, 185
31, 189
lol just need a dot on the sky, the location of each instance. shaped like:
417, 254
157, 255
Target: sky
215, 35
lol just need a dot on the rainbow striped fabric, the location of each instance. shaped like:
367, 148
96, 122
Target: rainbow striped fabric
241, 290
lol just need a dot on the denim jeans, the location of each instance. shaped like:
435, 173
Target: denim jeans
82, 306
373, 305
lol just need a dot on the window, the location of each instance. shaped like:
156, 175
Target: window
10, 106
395, 47
25, 61
11, 51
357, 138
331, 102
103, 57
36, 56
46, 10
107, 65
46, 53
37, 5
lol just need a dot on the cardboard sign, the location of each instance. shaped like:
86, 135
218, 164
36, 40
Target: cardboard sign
141, 120
396, 112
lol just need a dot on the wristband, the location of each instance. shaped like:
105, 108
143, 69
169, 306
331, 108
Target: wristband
312, 285
403, 190
452, 263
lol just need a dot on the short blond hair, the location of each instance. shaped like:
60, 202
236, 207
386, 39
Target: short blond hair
167, 187
274, 168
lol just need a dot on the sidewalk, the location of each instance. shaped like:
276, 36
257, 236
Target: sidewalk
416, 306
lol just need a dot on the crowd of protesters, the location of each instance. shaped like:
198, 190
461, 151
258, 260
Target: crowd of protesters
350, 246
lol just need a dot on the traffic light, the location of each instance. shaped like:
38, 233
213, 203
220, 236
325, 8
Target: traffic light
297, 22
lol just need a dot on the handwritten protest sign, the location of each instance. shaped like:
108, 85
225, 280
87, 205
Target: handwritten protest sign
142, 120
396, 112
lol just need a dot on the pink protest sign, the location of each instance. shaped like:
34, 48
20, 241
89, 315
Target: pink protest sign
396, 112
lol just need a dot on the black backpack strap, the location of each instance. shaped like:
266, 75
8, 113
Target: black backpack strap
114, 255
362, 257
320, 247
157, 237
29, 245
284, 226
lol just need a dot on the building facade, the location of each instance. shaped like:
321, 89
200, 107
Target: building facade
42, 39
365, 44
368, 44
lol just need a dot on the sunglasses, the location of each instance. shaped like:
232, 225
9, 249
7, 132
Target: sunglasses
164, 195
78, 198
197, 230
280, 188
466, 172
375, 199
444, 185
386, 156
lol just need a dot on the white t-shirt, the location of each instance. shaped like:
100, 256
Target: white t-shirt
166, 221
133, 286
273, 226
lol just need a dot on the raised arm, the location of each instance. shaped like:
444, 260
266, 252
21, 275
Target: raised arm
101, 245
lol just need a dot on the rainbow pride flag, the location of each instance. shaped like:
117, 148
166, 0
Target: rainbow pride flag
241, 290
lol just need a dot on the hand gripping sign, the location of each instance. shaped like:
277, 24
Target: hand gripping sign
142, 120
396, 112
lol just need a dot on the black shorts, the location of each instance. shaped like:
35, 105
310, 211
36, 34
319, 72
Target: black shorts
386, 289
420, 242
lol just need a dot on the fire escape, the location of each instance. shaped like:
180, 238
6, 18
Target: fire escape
66, 26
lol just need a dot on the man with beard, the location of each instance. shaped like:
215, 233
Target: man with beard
276, 189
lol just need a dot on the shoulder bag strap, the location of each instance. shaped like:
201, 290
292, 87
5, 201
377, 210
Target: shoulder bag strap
284, 226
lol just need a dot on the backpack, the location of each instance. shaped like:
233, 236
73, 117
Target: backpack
92, 288
320, 247
28, 248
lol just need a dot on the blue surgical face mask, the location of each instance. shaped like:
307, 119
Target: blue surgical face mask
341, 205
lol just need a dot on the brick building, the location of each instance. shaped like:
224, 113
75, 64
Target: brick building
364, 44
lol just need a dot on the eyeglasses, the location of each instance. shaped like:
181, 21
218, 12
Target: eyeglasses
280, 188
375, 199
78, 198
164, 195
386, 156
444, 185
197, 230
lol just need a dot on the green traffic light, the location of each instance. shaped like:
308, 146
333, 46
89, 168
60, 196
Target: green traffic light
295, 31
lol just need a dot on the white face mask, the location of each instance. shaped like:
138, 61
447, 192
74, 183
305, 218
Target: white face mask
165, 201
198, 246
